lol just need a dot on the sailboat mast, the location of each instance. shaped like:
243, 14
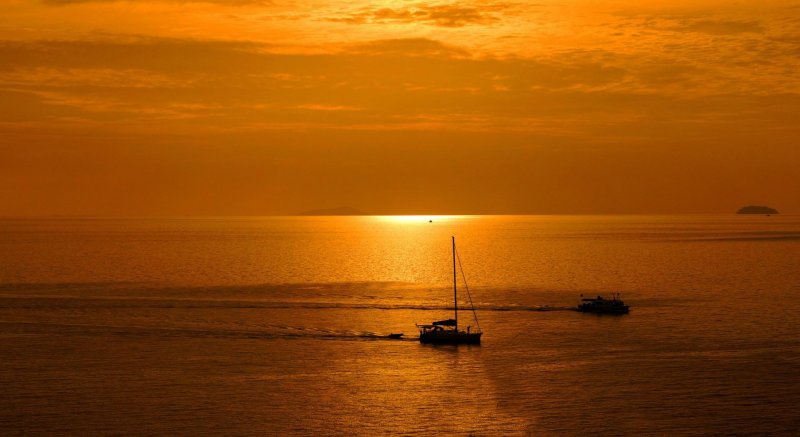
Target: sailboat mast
455, 292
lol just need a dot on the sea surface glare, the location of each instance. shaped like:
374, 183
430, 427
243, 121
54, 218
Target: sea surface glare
276, 325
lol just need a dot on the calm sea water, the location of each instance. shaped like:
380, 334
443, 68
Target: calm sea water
240, 326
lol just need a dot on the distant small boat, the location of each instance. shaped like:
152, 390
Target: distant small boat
398, 335
601, 305
446, 331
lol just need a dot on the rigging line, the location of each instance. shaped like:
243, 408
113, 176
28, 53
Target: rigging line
466, 287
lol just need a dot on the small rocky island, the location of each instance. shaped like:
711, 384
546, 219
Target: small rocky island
342, 210
752, 209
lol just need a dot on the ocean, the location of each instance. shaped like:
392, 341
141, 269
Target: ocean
277, 326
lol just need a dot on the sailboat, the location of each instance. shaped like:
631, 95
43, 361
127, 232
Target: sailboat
446, 331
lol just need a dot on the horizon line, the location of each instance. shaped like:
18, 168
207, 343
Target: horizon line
156, 216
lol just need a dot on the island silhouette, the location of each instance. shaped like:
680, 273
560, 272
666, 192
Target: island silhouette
341, 210
753, 209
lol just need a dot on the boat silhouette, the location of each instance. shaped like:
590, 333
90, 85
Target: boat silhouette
601, 305
446, 331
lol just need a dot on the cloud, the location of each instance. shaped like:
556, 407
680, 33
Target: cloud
319, 107
396, 84
223, 2
238, 85
444, 15
130, 52
722, 27
408, 47
95, 77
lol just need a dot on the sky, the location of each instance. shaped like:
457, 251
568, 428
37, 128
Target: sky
245, 107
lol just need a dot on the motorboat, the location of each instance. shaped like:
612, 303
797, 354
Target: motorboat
601, 305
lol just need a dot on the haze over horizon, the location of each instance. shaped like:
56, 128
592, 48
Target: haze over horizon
167, 108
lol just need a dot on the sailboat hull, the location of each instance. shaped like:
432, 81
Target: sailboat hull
450, 337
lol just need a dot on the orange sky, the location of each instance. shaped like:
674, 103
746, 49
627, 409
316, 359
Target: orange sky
238, 107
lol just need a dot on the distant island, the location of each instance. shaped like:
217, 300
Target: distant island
342, 210
752, 209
